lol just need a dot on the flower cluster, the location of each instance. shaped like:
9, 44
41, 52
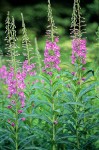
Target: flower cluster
3, 72
52, 55
16, 80
16, 84
28, 69
79, 50
13, 124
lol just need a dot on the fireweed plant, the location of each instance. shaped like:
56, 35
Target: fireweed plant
45, 108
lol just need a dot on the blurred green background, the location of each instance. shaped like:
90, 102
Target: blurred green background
35, 16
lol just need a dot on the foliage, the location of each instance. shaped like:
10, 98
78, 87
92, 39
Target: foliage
56, 109
35, 19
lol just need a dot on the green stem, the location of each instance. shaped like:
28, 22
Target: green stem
77, 109
16, 127
77, 134
30, 119
53, 119
54, 147
26, 40
52, 34
16, 141
38, 56
28, 53
14, 60
16, 134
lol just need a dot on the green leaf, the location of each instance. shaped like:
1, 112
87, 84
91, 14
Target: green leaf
25, 141
86, 90
34, 148
74, 103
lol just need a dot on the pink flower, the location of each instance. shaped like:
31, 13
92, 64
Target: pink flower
50, 73
16, 81
22, 104
19, 76
9, 106
79, 50
23, 119
28, 68
56, 39
10, 95
22, 98
13, 102
52, 55
83, 79
21, 94
21, 85
78, 82
12, 124
3, 72
12, 85
83, 68
73, 73
20, 111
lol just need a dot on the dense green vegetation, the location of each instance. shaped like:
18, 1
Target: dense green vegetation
49, 85
35, 13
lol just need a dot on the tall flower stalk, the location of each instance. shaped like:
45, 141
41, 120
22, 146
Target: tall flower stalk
16, 125
79, 52
11, 80
52, 61
77, 31
28, 66
79, 49
38, 56
15, 81
28, 50
52, 50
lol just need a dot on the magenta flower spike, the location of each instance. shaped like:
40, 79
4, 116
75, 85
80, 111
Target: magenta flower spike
52, 50
52, 55
79, 50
